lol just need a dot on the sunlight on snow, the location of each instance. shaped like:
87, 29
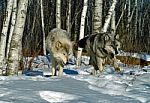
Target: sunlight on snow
52, 96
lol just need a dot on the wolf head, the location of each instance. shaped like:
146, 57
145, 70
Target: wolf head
63, 51
112, 45
117, 44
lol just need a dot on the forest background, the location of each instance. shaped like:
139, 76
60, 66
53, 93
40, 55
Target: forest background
129, 19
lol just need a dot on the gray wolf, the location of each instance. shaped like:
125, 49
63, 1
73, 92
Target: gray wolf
60, 48
101, 47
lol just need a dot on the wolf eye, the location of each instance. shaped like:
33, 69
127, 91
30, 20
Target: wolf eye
64, 53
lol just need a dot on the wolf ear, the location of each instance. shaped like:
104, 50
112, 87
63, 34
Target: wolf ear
117, 36
58, 44
106, 37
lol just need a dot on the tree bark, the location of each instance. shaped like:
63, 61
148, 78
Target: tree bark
58, 13
69, 17
110, 12
16, 47
140, 18
13, 21
82, 26
97, 22
113, 23
43, 30
121, 15
5, 31
76, 22
129, 14
136, 18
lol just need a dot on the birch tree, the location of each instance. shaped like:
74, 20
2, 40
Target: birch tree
16, 47
69, 17
97, 22
5, 31
58, 13
113, 23
145, 18
109, 15
82, 26
121, 16
76, 19
43, 31
13, 21
136, 18
140, 18
129, 14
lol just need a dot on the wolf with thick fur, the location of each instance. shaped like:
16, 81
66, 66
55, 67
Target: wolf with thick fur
101, 47
60, 48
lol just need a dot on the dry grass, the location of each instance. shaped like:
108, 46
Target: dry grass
128, 60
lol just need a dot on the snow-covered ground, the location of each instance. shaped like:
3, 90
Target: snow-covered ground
132, 85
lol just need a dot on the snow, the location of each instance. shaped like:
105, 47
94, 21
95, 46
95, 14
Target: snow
132, 85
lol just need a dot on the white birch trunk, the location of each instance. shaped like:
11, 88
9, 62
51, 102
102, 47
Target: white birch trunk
16, 47
97, 22
129, 13
43, 31
58, 14
136, 18
110, 12
5, 31
131, 16
113, 23
82, 25
69, 17
13, 21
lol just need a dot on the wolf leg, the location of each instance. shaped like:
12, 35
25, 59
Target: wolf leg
94, 72
94, 63
53, 71
60, 73
53, 67
99, 64
115, 64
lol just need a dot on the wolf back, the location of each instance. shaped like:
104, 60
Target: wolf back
96, 44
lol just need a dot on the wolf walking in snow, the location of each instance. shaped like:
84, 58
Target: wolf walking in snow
101, 47
60, 48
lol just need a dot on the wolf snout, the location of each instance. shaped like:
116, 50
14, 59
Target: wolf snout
69, 61
65, 63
